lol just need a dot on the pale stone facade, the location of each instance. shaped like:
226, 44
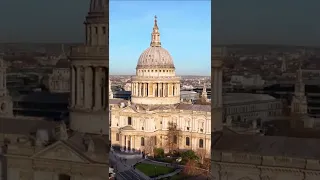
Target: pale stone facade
132, 125
33, 149
90, 75
143, 122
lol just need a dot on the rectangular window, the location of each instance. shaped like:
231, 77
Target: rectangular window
129, 121
104, 30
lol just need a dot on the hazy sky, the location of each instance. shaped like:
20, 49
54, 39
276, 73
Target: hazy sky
185, 32
292, 22
42, 20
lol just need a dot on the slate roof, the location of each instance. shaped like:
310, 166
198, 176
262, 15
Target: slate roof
194, 107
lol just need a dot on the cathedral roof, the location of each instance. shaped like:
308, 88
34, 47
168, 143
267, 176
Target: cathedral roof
194, 107
155, 56
63, 63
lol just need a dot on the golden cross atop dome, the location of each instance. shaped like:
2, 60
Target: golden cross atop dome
155, 19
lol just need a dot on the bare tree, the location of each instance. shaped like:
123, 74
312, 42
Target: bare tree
201, 154
150, 143
173, 135
190, 168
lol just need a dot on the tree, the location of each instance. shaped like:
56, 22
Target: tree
190, 168
150, 143
158, 153
201, 154
189, 155
172, 141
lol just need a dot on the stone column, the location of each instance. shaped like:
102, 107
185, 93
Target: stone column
167, 89
134, 143
73, 86
122, 142
131, 144
78, 91
173, 89
132, 89
178, 87
144, 89
86, 88
97, 89
106, 89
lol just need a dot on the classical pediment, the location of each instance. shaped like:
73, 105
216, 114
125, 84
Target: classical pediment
60, 151
128, 109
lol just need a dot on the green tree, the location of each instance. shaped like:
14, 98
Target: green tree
189, 155
158, 152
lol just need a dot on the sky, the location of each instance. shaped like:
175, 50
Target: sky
287, 22
184, 26
185, 31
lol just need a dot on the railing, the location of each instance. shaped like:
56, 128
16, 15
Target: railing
156, 78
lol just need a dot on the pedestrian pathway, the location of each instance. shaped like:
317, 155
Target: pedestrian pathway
168, 175
124, 164
124, 168
131, 175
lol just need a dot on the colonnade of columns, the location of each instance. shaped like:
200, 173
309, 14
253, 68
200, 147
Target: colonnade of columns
128, 143
147, 89
89, 87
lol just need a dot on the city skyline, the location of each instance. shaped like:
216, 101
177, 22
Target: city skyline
186, 37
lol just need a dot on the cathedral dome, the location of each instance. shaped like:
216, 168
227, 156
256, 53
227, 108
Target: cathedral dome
155, 57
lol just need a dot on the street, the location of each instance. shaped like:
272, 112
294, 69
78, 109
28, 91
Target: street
123, 168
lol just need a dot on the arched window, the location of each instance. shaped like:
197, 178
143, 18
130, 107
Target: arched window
142, 141
117, 137
200, 143
64, 177
175, 139
187, 141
